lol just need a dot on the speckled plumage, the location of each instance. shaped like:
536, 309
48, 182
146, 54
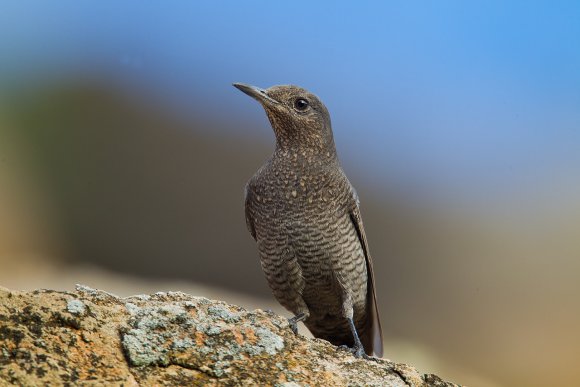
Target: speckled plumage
304, 215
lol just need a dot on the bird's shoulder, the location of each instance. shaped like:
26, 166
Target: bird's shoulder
346, 188
260, 181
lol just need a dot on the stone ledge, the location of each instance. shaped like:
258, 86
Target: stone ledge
91, 337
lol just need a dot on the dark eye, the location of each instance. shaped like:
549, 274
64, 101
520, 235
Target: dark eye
301, 104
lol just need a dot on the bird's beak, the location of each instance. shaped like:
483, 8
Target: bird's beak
256, 93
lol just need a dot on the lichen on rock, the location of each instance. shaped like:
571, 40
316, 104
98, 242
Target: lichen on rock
194, 333
170, 338
75, 306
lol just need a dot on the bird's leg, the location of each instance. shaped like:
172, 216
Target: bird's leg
357, 349
293, 322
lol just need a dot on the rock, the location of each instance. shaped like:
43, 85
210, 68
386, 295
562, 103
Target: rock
90, 336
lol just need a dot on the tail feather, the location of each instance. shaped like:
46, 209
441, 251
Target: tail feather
371, 336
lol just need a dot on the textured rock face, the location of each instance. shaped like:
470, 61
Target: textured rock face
93, 337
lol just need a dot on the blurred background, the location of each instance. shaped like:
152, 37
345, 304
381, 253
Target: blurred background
124, 151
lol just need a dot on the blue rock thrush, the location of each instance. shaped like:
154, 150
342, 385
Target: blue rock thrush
304, 215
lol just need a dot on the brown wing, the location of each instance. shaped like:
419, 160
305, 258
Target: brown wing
247, 200
372, 337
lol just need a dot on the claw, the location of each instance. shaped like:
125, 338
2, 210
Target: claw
357, 351
293, 322
293, 325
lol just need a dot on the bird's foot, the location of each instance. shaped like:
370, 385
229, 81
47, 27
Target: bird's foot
293, 325
357, 351
293, 322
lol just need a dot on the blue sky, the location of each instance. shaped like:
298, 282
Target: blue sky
453, 96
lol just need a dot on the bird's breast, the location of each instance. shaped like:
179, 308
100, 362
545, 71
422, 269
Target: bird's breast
287, 192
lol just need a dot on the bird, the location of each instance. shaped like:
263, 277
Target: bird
305, 217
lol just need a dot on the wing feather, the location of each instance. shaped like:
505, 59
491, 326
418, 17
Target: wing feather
373, 340
247, 202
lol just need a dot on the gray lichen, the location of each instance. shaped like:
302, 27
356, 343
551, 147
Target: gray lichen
161, 333
146, 342
222, 313
269, 342
98, 294
142, 349
76, 307
290, 384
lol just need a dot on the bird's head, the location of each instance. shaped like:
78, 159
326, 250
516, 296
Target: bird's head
298, 117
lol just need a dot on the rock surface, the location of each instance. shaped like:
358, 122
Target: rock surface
91, 337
